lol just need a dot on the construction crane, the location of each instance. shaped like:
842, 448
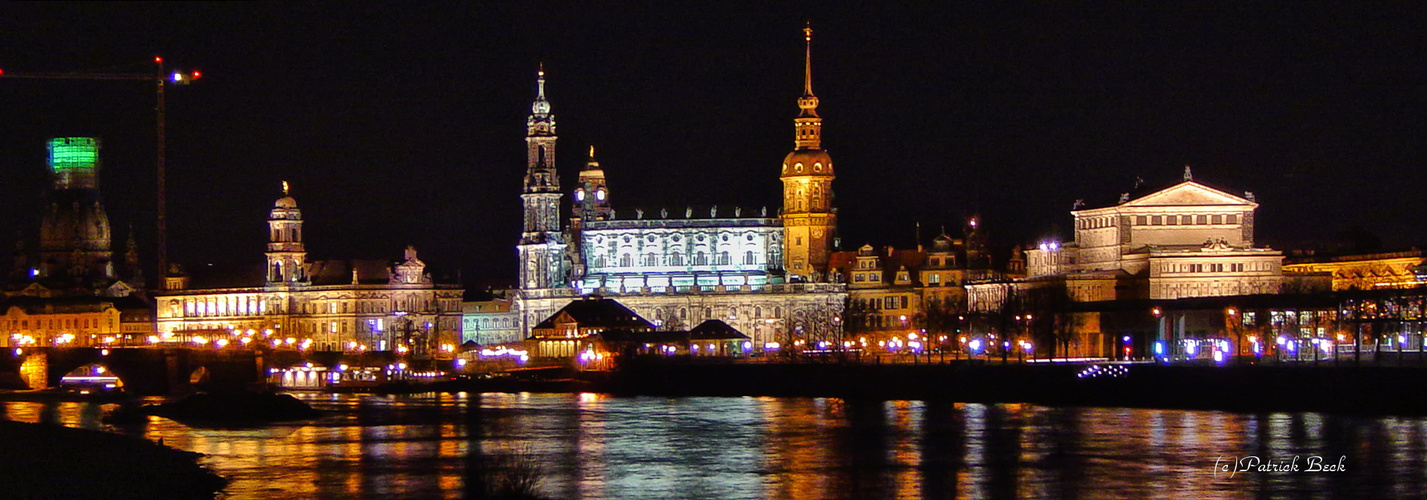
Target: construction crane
160, 78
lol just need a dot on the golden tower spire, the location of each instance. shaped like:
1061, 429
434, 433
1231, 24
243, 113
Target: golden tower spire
808, 59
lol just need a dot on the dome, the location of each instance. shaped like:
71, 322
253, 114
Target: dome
285, 202
813, 161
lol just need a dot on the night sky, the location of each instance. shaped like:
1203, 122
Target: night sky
405, 125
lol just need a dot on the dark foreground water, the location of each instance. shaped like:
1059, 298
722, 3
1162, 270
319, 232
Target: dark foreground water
595, 446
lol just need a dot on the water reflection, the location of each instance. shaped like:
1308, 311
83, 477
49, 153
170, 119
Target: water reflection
596, 446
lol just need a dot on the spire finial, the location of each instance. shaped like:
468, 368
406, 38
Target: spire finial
592, 152
540, 80
284, 188
808, 59
1188, 176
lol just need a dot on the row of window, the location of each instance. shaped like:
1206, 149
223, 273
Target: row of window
676, 259
1160, 220
257, 306
489, 323
683, 313
1235, 267
676, 238
52, 323
887, 302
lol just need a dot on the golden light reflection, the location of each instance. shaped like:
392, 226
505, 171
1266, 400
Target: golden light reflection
611, 447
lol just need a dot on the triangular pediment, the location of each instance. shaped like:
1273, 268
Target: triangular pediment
1188, 193
35, 290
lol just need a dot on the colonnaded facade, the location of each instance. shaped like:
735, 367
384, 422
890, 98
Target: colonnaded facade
325, 305
764, 274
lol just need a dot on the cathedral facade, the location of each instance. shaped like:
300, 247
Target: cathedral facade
764, 274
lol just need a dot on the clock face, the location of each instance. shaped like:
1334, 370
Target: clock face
599, 195
579, 195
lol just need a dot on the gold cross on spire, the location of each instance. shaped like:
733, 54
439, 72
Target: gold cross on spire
284, 188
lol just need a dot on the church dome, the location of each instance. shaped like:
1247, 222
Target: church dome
285, 202
807, 162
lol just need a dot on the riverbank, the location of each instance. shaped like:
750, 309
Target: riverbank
46, 461
1254, 388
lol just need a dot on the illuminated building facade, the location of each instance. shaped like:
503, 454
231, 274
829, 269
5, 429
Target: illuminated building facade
75, 321
291, 302
490, 322
1187, 240
1364, 272
679, 271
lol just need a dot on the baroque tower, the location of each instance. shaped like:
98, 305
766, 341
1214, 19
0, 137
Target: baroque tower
74, 235
591, 195
286, 255
809, 221
542, 244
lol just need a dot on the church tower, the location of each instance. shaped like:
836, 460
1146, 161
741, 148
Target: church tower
809, 221
286, 255
542, 244
591, 195
74, 235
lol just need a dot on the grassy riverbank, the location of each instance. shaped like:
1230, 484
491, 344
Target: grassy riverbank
45, 461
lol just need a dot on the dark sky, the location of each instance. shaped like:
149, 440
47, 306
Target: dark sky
404, 125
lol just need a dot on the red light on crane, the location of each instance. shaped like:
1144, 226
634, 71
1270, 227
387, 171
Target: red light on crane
158, 59
196, 75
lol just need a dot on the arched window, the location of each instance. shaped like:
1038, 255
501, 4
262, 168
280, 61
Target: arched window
748, 258
676, 259
651, 260
683, 313
700, 259
625, 261
708, 313
723, 259
757, 311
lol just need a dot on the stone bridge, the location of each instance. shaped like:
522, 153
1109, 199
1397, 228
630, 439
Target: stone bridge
141, 370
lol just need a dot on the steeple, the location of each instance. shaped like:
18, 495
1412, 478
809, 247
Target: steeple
808, 127
541, 121
591, 194
287, 257
540, 176
809, 220
542, 241
133, 271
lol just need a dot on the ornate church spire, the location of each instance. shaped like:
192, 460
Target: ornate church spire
542, 240
809, 221
541, 121
808, 126
540, 176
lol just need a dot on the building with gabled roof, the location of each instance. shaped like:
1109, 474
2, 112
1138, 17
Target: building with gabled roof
1186, 240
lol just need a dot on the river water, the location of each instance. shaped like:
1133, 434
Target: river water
597, 446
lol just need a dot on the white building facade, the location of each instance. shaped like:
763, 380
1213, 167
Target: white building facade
680, 269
